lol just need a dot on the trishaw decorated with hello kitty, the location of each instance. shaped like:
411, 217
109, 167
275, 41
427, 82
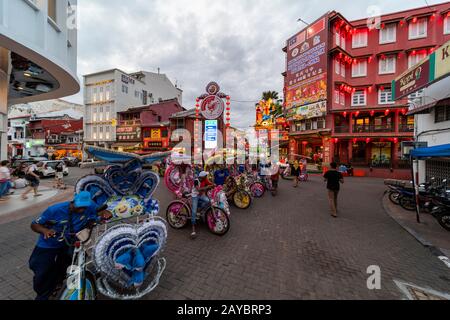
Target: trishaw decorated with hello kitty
122, 258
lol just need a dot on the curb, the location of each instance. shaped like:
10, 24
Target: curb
434, 250
36, 209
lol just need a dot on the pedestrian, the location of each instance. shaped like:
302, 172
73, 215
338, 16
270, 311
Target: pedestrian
56, 228
199, 197
59, 176
333, 178
295, 172
32, 177
221, 175
5, 180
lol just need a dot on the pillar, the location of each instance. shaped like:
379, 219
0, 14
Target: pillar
350, 150
4, 84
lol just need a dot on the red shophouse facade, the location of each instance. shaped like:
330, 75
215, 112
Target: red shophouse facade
145, 130
362, 125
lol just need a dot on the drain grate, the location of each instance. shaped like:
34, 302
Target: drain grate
413, 292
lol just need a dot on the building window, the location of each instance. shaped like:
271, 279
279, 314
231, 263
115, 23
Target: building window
108, 113
447, 25
342, 98
108, 135
415, 58
387, 65
385, 96
442, 113
51, 9
359, 98
94, 134
416, 98
418, 29
94, 95
338, 38
94, 114
124, 89
343, 40
359, 38
336, 96
337, 66
321, 123
388, 34
359, 69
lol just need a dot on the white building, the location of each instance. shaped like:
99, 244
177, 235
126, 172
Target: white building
43, 107
108, 92
432, 117
38, 54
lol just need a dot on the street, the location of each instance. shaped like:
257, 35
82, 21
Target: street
287, 247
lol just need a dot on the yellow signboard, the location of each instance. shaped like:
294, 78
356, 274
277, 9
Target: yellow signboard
156, 134
442, 61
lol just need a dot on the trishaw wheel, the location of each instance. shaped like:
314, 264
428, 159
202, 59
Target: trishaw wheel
257, 189
242, 200
177, 215
218, 221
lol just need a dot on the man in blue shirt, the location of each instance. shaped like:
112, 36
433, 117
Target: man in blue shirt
57, 228
221, 175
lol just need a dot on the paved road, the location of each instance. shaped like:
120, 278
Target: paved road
286, 247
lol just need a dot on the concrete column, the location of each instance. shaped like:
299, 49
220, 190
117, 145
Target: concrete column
4, 84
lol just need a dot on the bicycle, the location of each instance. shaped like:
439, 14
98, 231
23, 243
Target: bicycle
241, 197
179, 212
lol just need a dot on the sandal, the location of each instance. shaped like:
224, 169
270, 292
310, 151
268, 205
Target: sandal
193, 235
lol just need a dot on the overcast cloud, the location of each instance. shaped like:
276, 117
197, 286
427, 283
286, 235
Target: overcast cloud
234, 42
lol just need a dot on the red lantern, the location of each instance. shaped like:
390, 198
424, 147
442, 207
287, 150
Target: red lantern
357, 113
355, 141
372, 113
395, 140
414, 20
383, 25
368, 140
414, 52
336, 140
382, 88
370, 59
369, 89
387, 112
432, 17
345, 114
402, 22
404, 111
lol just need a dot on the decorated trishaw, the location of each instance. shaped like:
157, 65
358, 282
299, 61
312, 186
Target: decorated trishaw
121, 259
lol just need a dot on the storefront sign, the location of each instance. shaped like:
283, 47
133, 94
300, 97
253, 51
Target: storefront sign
412, 80
156, 134
310, 111
211, 127
212, 107
307, 60
126, 130
433, 68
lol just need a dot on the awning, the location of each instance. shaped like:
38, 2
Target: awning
427, 108
442, 151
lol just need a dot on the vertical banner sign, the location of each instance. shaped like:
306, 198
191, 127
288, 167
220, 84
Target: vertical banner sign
307, 60
211, 127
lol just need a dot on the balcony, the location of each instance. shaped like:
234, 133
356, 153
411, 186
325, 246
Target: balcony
342, 129
373, 128
406, 128
130, 123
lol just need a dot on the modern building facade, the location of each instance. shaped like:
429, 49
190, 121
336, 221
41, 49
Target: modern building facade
38, 54
112, 91
342, 106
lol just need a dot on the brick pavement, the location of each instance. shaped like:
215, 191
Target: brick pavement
286, 247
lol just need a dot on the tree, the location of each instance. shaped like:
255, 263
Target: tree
270, 95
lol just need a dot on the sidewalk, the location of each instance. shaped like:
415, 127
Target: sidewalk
429, 233
16, 208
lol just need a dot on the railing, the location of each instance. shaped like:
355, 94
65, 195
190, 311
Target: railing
342, 129
406, 128
373, 128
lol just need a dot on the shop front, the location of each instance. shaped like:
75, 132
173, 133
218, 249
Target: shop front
156, 139
383, 153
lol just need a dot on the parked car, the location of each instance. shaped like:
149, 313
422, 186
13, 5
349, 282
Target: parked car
87, 163
71, 161
49, 168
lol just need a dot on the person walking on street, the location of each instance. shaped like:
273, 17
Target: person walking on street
31, 175
5, 180
295, 172
334, 179
59, 177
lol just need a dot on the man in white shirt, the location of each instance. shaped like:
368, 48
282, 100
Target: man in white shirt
5, 180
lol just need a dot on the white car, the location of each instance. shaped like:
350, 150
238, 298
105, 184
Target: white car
49, 168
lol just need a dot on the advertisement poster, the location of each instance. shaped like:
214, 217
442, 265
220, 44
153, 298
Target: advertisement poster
211, 127
310, 111
412, 80
306, 79
156, 134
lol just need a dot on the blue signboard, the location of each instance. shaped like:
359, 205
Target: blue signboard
211, 127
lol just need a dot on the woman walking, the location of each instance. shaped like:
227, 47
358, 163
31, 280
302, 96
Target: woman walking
32, 177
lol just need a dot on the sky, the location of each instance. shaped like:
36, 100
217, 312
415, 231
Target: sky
237, 43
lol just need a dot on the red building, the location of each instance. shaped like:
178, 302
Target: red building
55, 132
339, 103
146, 129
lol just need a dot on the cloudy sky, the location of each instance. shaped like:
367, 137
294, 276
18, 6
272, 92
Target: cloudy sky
234, 42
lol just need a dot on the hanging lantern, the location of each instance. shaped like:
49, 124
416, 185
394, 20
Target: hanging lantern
336, 140
369, 89
387, 112
355, 141
368, 140
357, 113
414, 20
372, 113
395, 140
404, 111
345, 114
